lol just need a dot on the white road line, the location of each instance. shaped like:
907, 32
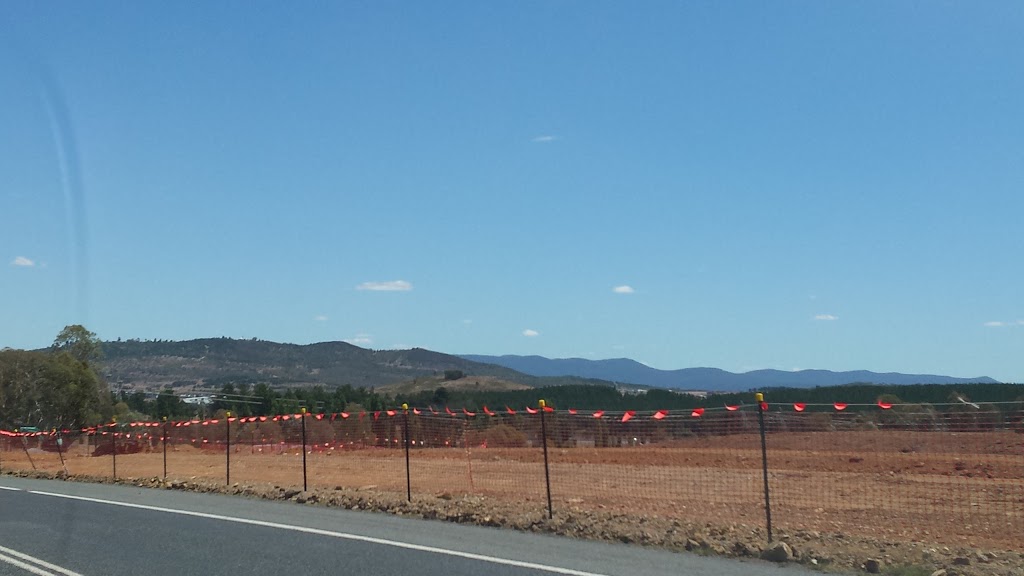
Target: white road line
6, 553
59, 570
25, 567
9, 488
342, 535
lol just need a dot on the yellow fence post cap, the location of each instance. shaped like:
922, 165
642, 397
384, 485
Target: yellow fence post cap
541, 403
405, 407
303, 410
759, 397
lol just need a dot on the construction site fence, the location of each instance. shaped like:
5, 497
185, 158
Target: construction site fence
905, 473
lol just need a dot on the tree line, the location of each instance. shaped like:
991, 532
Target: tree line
55, 388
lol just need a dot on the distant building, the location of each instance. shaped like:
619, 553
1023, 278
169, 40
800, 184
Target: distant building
200, 400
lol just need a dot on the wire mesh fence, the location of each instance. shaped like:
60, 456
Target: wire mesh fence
929, 473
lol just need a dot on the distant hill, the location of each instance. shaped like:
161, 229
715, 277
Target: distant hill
209, 363
624, 370
212, 362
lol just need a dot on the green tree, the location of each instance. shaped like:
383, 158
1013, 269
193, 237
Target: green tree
80, 343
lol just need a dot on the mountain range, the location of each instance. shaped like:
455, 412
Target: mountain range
209, 363
624, 370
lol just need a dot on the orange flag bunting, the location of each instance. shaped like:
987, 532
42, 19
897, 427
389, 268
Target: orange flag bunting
840, 406
449, 411
572, 411
416, 411
530, 410
660, 414
884, 405
488, 412
628, 415
468, 413
697, 412
599, 414
732, 408
799, 406
510, 411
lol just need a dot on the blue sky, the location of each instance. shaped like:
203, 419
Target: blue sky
768, 185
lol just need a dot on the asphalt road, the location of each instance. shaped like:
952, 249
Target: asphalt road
51, 527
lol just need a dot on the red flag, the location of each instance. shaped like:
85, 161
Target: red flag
319, 416
884, 405
376, 415
628, 415
531, 410
510, 411
697, 412
799, 406
286, 417
391, 412
416, 411
488, 412
660, 414
572, 411
344, 415
549, 408
599, 414
263, 418
840, 406
732, 408
449, 411
362, 413
468, 413
764, 406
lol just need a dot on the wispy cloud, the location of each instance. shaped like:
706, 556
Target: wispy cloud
624, 289
360, 340
467, 321
320, 318
389, 286
22, 261
545, 138
825, 317
1002, 324
530, 333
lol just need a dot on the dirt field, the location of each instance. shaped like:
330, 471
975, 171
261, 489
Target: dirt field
953, 489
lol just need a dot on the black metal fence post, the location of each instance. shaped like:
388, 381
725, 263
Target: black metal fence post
165, 447
304, 484
544, 440
60, 450
113, 447
227, 451
408, 475
761, 407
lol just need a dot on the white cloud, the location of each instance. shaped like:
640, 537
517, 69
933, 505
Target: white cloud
995, 324
545, 138
624, 289
530, 333
360, 340
467, 321
22, 261
390, 286
825, 317
320, 318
